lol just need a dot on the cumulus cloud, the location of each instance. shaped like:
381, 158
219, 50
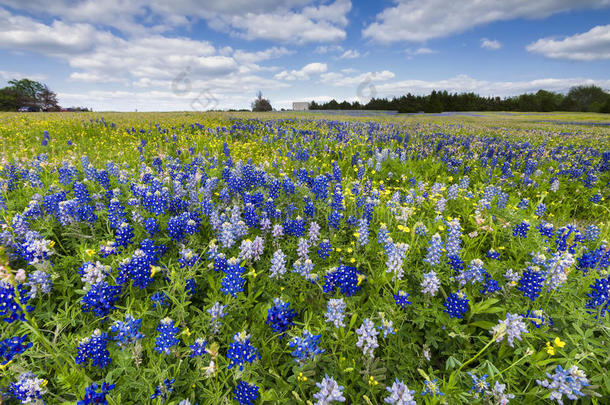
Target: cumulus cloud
311, 69
465, 83
343, 80
350, 54
490, 44
414, 20
591, 45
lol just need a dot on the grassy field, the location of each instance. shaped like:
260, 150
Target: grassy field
304, 258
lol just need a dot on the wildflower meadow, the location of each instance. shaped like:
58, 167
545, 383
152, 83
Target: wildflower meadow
184, 258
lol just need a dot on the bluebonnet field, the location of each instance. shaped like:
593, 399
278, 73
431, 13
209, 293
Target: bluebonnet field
188, 258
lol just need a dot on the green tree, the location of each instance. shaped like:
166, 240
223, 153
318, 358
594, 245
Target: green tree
586, 96
261, 104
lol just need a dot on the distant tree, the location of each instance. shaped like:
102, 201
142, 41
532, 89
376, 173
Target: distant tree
434, 104
27, 93
606, 107
48, 100
261, 104
8, 99
586, 96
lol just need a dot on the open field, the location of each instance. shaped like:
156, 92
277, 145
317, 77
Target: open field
178, 256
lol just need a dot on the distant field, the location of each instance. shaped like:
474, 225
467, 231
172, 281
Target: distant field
312, 256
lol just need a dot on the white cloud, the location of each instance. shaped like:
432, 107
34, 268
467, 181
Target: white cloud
324, 23
342, 80
311, 69
490, 44
420, 51
297, 21
465, 83
591, 45
57, 39
5, 75
350, 54
415, 20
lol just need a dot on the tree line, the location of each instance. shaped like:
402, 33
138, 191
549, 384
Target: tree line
35, 96
579, 98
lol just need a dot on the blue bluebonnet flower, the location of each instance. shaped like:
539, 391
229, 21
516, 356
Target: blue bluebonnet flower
367, 337
100, 298
233, 282
430, 284
188, 258
305, 347
493, 254
540, 210
431, 388
363, 232
498, 394
489, 286
335, 312
94, 349
324, 249
304, 268
241, 351
329, 392
94, 397
39, 282
334, 219
277, 232
538, 318
400, 394
568, 382
479, 384
252, 250
512, 277
557, 270
280, 316
28, 389
138, 267
421, 230
303, 249
512, 327
592, 232
521, 229
568, 238
152, 226
278, 264
220, 263
473, 273
10, 347
10, 310
127, 331
383, 236
217, 312
190, 286
454, 234
245, 393
159, 299
108, 249
124, 235
163, 390
313, 234
346, 278
387, 326
167, 336
456, 305
524, 203
34, 249
530, 282
93, 273
402, 299
396, 253
599, 296
198, 348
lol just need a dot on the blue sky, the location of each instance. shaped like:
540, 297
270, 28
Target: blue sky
197, 55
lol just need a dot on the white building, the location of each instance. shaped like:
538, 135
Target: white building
300, 106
